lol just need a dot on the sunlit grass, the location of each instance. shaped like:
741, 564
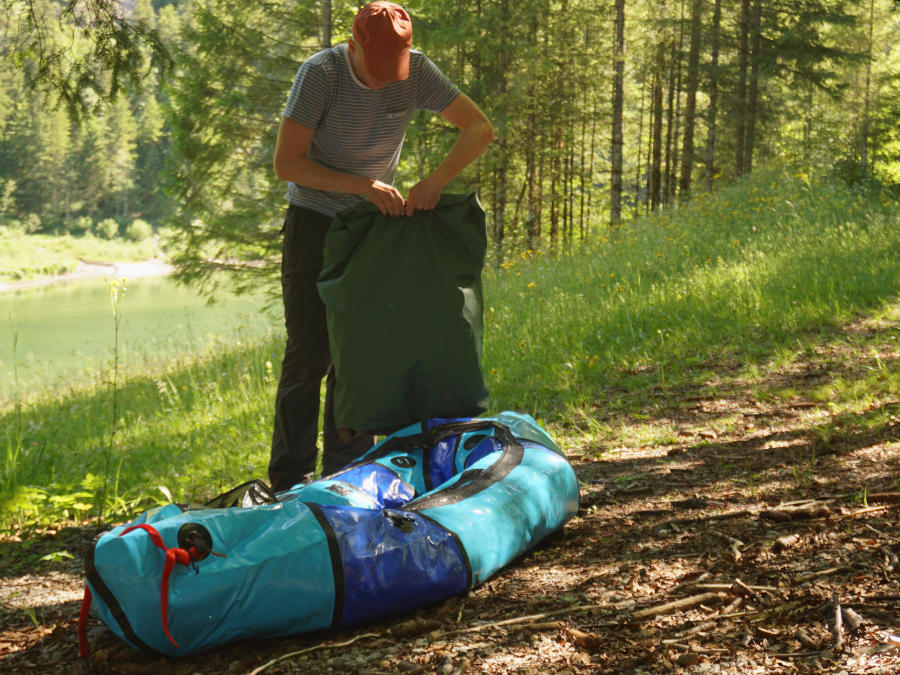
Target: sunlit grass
735, 285
195, 427
726, 279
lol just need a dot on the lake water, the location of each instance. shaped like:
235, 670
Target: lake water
66, 331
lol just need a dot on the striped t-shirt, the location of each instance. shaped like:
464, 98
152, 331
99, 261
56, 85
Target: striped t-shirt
358, 130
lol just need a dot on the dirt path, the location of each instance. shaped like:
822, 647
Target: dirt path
728, 546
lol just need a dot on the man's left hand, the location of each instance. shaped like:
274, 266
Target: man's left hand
424, 195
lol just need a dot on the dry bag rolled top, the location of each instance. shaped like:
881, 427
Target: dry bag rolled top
404, 310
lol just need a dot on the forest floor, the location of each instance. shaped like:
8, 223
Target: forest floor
731, 545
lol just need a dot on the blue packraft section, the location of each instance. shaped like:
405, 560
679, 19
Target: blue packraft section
431, 511
392, 562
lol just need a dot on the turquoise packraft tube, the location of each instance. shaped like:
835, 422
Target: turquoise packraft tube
430, 512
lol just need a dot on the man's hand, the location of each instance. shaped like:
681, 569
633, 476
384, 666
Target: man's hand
424, 195
476, 133
385, 198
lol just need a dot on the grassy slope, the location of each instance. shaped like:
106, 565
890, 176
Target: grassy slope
731, 278
729, 286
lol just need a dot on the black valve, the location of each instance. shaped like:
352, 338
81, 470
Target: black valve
194, 535
400, 520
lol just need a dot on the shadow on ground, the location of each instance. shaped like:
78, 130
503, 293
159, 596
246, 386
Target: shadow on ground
730, 543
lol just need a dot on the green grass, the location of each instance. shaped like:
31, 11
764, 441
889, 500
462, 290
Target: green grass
736, 283
27, 256
725, 279
192, 429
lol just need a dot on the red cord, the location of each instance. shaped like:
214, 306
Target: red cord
173, 555
83, 649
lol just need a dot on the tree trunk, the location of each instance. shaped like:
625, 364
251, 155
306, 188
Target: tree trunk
638, 180
864, 155
565, 192
693, 78
326, 24
590, 174
675, 113
753, 94
497, 76
615, 190
808, 122
570, 193
533, 224
582, 180
741, 100
656, 113
499, 188
554, 188
713, 98
670, 125
539, 193
572, 189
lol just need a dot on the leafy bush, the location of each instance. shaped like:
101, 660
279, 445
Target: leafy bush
107, 228
139, 230
167, 235
849, 170
80, 225
7, 205
32, 223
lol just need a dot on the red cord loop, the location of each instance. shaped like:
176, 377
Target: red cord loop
83, 650
173, 555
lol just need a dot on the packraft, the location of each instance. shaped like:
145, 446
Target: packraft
403, 304
432, 511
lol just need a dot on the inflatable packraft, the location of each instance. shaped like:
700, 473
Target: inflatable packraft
430, 512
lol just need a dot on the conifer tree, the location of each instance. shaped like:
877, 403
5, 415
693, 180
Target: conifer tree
236, 67
118, 49
617, 112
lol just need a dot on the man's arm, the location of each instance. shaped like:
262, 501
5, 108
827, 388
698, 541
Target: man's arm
476, 133
291, 163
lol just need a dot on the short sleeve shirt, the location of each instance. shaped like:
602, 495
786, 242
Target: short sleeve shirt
358, 130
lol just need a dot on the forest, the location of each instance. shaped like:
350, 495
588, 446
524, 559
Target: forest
603, 110
693, 224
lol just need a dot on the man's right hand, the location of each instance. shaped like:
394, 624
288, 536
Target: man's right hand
386, 198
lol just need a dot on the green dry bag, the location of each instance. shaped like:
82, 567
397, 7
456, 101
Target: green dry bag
404, 310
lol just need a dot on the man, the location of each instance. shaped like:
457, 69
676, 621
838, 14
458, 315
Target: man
338, 144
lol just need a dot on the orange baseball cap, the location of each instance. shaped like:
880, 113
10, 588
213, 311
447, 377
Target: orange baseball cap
384, 31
